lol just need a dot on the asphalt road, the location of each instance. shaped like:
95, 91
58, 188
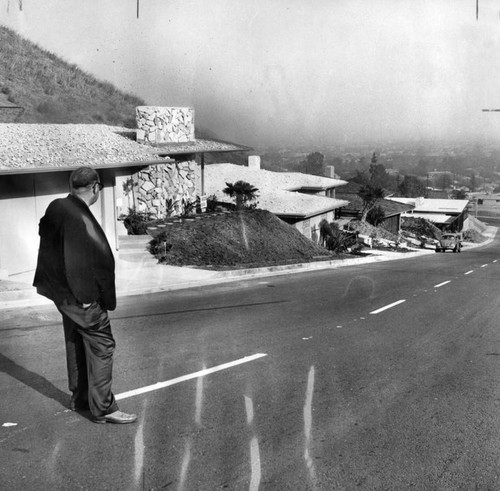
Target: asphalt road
380, 376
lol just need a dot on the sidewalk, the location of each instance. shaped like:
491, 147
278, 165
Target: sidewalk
142, 277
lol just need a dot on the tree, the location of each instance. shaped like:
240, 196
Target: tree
458, 194
370, 195
445, 181
411, 187
375, 216
242, 191
128, 190
472, 183
422, 167
378, 175
313, 164
361, 178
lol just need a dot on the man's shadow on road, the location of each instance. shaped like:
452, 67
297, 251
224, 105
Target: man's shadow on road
33, 380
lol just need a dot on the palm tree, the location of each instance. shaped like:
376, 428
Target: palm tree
242, 191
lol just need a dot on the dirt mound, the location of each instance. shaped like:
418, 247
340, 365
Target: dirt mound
420, 228
473, 224
241, 238
365, 228
473, 236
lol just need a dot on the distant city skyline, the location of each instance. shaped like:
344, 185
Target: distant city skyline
286, 71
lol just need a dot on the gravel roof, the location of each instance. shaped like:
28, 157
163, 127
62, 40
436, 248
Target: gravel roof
275, 193
42, 146
434, 205
289, 181
200, 146
25, 147
389, 206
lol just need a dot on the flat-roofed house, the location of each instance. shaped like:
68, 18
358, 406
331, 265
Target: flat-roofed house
447, 214
37, 159
302, 200
393, 210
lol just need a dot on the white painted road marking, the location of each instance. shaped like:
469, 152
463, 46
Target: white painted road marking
443, 283
387, 307
484, 266
495, 260
201, 373
469, 272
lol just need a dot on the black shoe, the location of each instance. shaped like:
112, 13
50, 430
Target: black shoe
117, 418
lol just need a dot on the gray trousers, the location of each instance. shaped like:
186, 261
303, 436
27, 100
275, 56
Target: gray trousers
89, 355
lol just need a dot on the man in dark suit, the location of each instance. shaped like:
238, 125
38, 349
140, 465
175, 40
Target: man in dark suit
76, 270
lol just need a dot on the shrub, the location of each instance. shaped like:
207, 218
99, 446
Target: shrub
212, 202
136, 222
170, 206
188, 207
334, 239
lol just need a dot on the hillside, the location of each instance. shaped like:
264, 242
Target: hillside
54, 91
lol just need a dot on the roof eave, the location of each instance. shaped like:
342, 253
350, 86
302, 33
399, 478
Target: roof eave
305, 216
171, 147
111, 165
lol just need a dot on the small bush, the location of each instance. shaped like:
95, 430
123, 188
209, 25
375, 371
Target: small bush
188, 207
334, 239
136, 222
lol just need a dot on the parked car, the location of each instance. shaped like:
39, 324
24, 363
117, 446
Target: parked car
449, 241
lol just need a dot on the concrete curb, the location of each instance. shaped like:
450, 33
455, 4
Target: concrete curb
28, 297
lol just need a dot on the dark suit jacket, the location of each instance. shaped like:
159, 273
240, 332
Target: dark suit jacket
75, 261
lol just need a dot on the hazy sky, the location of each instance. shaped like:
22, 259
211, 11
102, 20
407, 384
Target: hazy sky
289, 70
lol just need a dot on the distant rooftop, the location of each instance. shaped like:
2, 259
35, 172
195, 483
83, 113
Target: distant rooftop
423, 205
277, 190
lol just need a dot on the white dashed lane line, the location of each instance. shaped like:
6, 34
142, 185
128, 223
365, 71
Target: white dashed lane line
442, 284
387, 307
435, 286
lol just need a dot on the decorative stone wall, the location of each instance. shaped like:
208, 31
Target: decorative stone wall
158, 125
158, 186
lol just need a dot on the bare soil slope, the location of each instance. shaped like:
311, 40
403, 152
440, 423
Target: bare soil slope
242, 239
